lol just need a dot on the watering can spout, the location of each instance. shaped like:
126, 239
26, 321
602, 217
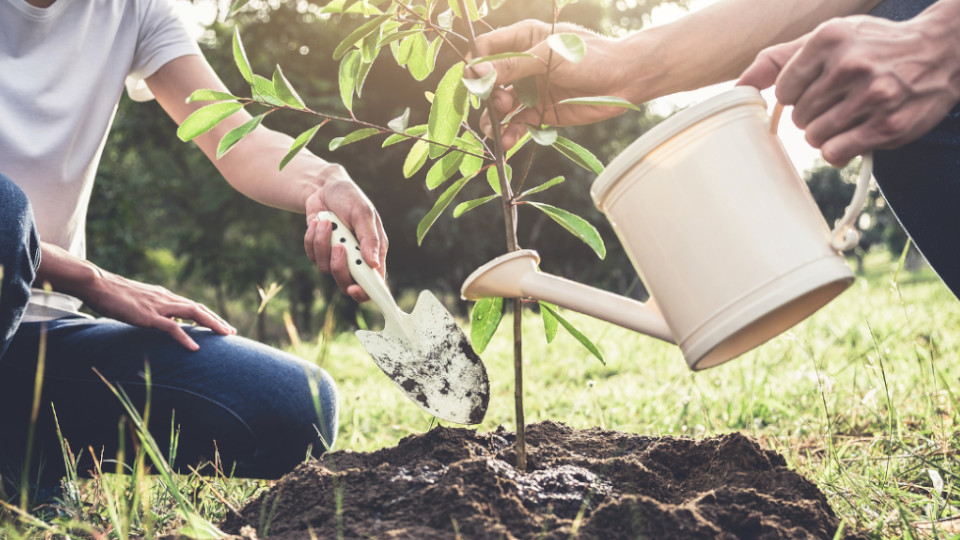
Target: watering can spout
516, 275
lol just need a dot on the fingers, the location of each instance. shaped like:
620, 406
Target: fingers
333, 258
177, 332
207, 318
514, 130
340, 271
316, 242
166, 320
369, 231
765, 69
806, 65
525, 36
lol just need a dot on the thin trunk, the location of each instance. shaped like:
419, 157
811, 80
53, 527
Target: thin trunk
510, 228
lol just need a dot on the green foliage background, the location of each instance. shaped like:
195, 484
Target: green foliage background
161, 212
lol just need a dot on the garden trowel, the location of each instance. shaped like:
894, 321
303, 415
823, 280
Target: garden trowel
425, 353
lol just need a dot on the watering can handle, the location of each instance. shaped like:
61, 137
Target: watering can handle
845, 235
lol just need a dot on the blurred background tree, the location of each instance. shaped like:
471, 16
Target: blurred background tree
161, 213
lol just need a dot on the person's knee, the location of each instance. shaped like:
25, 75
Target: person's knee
19, 246
304, 424
320, 415
19, 258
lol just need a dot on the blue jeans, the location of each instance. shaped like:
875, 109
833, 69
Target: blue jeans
247, 402
921, 180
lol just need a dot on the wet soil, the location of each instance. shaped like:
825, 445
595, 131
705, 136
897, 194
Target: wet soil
589, 484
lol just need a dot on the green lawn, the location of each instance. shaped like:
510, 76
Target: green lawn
861, 398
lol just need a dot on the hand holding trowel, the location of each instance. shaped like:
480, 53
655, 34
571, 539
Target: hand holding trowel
424, 352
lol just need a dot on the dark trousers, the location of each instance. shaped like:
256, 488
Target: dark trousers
921, 180
251, 404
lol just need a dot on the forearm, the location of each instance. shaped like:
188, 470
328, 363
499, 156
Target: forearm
66, 273
941, 24
252, 166
717, 43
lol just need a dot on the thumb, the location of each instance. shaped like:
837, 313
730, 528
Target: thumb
514, 68
765, 69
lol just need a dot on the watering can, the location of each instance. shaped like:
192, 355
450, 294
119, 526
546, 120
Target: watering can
720, 227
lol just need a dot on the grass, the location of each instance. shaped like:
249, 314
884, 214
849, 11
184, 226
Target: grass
862, 398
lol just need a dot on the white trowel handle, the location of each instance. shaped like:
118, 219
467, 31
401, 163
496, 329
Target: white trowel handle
366, 277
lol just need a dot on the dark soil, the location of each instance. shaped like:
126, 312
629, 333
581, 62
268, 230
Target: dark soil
457, 483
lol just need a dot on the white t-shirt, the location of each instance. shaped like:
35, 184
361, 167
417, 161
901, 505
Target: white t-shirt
62, 71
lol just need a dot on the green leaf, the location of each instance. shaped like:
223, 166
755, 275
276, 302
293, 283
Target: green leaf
578, 154
471, 9
465, 207
240, 57
415, 158
432, 51
550, 324
264, 89
417, 62
301, 141
237, 6
210, 95
471, 164
399, 124
442, 203
493, 178
546, 185
445, 19
368, 45
570, 46
396, 36
527, 91
543, 137
483, 86
204, 119
333, 6
361, 32
601, 101
448, 110
406, 48
364, 8
584, 340
285, 91
576, 225
348, 77
362, 71
484, 320
501, 56
409, 133
443, 169
455, 7
352, 137
518, 146
236, 134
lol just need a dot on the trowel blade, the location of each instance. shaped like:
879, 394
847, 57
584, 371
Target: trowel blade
436, 366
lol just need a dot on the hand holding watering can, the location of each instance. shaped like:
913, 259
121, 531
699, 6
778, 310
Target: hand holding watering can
720, 227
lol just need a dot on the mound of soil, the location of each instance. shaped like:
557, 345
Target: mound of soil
457, 483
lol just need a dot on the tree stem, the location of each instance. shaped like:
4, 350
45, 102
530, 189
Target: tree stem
510, 228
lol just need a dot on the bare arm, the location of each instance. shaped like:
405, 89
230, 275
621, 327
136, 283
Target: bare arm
717, 43
705, 47
122, 299
307, 184
863, 83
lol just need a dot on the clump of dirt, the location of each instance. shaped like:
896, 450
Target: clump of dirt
593, 483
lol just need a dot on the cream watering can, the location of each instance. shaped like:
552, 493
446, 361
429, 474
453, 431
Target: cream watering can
720, 227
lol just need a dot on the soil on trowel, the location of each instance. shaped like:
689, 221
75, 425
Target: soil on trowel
456, 483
